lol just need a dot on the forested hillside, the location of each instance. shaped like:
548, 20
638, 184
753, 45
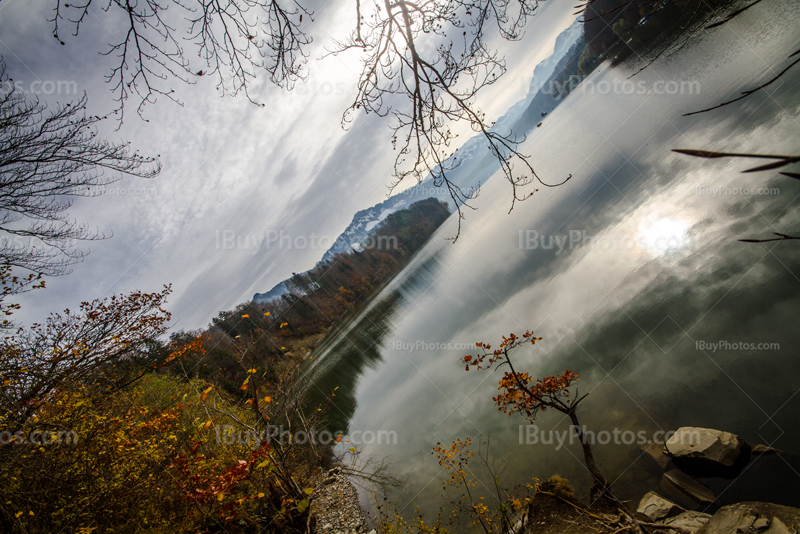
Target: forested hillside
115, 430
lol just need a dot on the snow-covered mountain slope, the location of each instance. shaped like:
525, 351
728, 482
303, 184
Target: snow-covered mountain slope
475, 163
543, 72
274, 293
471, 170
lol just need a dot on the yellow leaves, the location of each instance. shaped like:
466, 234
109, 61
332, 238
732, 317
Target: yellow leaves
283, 348
244, 384
204, 394
220, 497
268, 399
261, 495
263, 464
251, 371
302, 505
245, 316
18, 514
267, 314
309, 491
352, 449
207, 424
284, 324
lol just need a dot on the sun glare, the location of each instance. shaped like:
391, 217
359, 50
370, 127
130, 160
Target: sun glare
664, 235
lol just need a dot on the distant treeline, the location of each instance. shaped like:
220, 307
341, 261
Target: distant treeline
316, 300
616, 28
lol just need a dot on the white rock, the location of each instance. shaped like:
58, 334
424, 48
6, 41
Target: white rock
778, 527
657, 507
761, 523
707, 445
691, 521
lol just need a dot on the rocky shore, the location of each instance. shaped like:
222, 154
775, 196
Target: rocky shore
689, 458
335, 508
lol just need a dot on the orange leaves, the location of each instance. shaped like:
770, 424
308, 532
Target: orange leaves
202, 482
191, 348
245, 316
284, 324
204, 394
519, 392
85, 345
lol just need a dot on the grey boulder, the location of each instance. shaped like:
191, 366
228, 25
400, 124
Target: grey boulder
753, 517
708, 452
657, 507
687, 521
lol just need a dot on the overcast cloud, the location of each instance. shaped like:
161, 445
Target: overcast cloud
230, 168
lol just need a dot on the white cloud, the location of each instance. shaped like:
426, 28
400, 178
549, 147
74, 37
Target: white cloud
228, 165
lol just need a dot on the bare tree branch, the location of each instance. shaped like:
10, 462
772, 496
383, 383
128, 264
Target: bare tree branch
749, 92
429, 89
47, 157
234, 40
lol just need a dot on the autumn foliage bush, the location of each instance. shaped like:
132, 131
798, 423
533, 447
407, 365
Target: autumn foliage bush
98, 436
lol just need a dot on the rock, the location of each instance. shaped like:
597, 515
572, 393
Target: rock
753, 517
690, 486
708, 452
657, 507
334, 505
761, 523
655, 452
759, 450
691, 521
778, 528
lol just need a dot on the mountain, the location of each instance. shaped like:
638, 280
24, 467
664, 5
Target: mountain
475, 163
520, 119
278, 291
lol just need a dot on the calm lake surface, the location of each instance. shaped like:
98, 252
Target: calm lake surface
653, 276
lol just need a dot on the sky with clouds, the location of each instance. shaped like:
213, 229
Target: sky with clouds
229, 167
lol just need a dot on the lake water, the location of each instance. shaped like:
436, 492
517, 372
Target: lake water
649, 277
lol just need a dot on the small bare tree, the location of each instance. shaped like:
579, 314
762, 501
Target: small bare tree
523, 394
46, 157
